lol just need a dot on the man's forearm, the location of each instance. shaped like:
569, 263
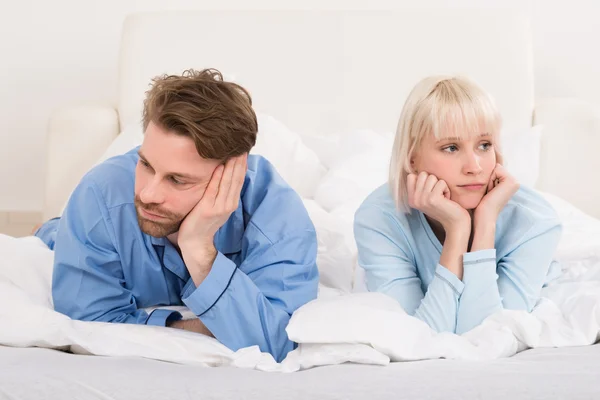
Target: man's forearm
192, 325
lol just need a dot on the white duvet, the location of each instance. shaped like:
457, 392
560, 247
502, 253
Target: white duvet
339, 326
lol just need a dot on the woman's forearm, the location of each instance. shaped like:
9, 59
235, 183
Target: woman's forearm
484, 235
455, 245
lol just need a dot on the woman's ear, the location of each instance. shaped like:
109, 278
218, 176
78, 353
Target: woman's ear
413, 165
414, 160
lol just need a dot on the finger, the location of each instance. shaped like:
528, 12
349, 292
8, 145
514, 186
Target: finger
411, 181
226, 180
441, 189
420, 185
491, 182
429, 184
505, 179
501, 172
210, 194
239, 175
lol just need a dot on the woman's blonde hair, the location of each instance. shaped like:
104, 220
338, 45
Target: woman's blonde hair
443, 106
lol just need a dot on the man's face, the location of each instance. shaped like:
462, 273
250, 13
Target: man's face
170, 179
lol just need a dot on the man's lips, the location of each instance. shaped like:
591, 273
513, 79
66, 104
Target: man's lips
151, 215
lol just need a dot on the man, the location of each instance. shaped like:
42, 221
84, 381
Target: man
188, 218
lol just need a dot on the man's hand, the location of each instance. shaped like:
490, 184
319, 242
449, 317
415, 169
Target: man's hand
221, 198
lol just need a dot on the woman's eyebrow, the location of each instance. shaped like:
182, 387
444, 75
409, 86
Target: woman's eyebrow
456, 138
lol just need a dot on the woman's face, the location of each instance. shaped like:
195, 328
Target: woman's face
465, 164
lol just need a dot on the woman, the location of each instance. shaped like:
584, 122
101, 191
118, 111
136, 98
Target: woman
452, 236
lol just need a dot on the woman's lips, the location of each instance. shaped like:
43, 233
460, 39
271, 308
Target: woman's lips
472, 187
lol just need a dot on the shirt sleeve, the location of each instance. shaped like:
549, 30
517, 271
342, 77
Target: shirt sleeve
383, 252
252, 304
514, 282
88, 282
522, 272
480, 297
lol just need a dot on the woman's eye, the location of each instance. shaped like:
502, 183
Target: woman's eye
450, 149
485, 146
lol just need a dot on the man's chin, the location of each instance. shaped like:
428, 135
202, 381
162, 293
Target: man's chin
157, 230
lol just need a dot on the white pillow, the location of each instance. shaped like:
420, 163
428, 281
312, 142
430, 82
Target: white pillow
336, 254
132, 136
361, 166
580, 240
298, 165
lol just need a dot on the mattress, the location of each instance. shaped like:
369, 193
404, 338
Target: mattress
550, 373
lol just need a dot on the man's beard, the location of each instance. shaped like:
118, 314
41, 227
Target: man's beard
168, 225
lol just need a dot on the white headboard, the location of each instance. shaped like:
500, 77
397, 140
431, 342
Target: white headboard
323, 72
320, 72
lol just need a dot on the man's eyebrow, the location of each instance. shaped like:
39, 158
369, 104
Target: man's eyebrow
459, 138
142, 156
180, 175
177, 174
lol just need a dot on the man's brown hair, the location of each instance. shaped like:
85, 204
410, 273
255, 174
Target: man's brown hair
215, 114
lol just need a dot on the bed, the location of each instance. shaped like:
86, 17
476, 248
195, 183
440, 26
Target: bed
336, 81
565, 373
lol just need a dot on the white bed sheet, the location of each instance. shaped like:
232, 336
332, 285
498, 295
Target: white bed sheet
564, 373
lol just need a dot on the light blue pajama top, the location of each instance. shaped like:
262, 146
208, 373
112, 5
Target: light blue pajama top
400, 255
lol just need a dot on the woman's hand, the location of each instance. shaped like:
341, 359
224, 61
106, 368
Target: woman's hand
431, 196
501, 187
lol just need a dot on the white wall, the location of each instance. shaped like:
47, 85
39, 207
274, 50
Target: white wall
58, 52
566, 39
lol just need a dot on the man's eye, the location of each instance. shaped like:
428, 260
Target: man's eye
176, 181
